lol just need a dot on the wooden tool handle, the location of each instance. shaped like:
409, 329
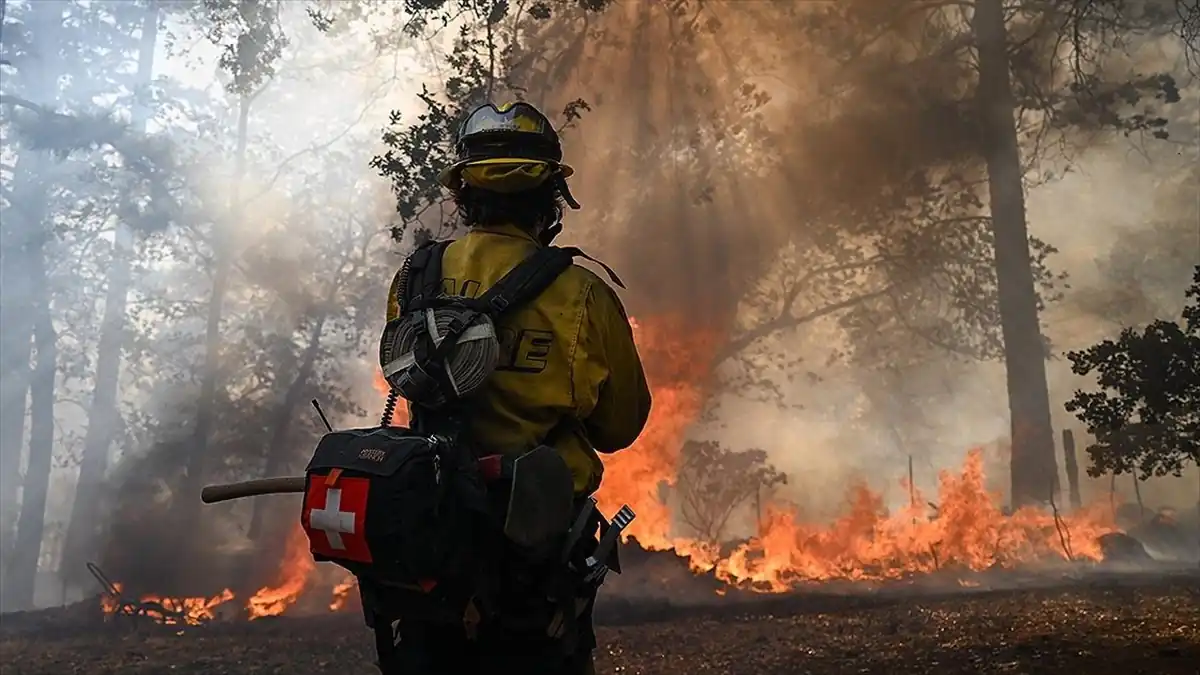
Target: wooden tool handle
252, 488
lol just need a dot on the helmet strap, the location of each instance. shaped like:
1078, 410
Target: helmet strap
561, 184
547, 235
551, 231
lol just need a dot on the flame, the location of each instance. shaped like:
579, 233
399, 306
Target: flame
174, 611
294, 575
294, 572
969, 531
341, 593
676, 359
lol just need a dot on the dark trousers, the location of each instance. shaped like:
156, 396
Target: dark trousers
424, 649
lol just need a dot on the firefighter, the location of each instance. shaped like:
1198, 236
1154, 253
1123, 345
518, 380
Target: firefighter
569, 375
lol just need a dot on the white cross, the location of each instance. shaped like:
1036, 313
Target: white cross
332, 520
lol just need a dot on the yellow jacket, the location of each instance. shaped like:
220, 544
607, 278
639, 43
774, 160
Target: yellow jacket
567, 358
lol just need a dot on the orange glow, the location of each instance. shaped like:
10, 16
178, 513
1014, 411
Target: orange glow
969, 531
677, 360
400, 414
294, 572
866, 543
341, 593
175, 611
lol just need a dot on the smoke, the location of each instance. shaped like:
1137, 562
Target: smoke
305, 222
312, 262
728, 144
727, 154
720, 152
702, 159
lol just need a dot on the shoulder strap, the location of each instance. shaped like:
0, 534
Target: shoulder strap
424, 275
521, 284
612, 276
524, 282
422, 283
530, 277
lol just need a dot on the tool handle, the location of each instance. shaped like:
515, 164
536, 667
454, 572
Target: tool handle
212, 494
576, 531
618, 524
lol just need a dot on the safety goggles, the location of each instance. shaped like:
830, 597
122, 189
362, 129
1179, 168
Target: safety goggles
518, 116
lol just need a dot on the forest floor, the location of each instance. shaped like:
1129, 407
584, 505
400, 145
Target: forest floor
1118, 625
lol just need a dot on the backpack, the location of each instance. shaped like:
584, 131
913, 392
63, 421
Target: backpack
442, 348
407, 510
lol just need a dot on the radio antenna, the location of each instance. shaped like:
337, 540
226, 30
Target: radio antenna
324, 420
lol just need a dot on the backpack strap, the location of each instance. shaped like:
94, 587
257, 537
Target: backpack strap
529, 279
424, 281
417, 285
524, 282
612, 276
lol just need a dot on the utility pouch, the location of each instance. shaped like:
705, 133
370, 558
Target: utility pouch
541, 500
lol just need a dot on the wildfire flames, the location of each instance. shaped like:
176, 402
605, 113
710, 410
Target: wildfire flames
294, 577
294, 572
967, 531
173, 611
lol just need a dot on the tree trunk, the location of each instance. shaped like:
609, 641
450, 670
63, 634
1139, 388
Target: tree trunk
16, 331
223, 257
1137, 493
103, 416
278, 449
21, 227
28, 547
1034, 466
1072, 464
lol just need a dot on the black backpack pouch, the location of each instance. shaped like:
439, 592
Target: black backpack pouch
404, 512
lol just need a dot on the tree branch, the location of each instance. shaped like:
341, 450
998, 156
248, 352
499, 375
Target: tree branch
316, 147
784, 322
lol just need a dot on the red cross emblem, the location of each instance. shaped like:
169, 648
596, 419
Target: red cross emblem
334, 517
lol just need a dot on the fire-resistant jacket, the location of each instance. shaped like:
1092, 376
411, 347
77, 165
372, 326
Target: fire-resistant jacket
568, 360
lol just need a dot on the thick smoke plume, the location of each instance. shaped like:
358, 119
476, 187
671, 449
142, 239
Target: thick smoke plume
289, 198
735, 151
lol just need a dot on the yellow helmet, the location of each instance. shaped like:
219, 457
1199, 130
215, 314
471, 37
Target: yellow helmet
508, 148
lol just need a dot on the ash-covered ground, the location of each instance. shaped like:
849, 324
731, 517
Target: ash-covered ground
1082, 624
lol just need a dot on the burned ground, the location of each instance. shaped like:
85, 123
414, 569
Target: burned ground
1098, 625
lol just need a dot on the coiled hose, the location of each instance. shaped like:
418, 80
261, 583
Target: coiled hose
468, 364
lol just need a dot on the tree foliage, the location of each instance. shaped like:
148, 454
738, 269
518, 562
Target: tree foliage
714, 482
905, 71
489, 61
76, 167
1146, 416
306, 256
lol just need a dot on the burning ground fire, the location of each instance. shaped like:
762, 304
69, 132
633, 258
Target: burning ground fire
294, 577
173, 611
968, 532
